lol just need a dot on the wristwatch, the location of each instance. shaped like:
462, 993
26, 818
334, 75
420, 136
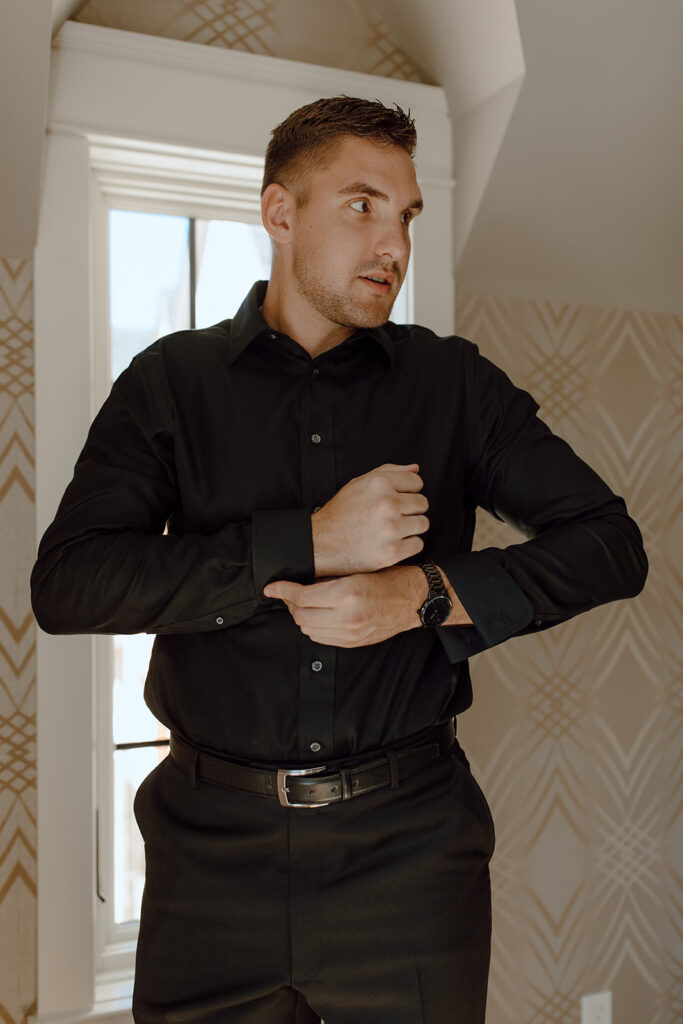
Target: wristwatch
438, 605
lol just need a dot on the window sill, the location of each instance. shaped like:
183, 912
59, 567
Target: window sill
113, 994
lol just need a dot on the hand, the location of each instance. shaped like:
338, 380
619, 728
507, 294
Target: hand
373, 522
357, 610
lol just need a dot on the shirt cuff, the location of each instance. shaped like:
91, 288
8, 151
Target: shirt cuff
496, 605
281, 548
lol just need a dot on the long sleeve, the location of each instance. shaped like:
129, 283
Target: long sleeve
105, 564
583, 549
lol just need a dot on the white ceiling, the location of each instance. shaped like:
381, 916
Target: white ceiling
584, 202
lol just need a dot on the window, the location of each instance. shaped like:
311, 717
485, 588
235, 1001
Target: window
166, 273
155, 127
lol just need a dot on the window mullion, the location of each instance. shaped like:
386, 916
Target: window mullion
193, 271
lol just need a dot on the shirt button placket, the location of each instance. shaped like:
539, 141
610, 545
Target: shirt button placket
317, 683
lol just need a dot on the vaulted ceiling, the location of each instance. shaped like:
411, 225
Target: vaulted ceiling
567, 117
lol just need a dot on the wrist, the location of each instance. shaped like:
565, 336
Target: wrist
324, 561
411, 584
458, 616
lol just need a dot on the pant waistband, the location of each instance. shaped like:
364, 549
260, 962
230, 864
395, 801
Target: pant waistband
316, 786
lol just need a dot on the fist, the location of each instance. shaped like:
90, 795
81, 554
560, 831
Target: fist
373, 522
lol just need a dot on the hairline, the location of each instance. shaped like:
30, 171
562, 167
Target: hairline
318, 156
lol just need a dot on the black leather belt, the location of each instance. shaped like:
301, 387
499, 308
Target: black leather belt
317, 786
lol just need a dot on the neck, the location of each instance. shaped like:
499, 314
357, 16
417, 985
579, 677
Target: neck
286, 310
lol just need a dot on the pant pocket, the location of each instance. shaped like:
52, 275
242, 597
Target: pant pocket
480, 803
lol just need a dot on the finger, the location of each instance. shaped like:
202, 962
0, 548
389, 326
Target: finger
412, 546
325, 619
403, 481
389, 467
412, 504
313, 595
324, 594
283, 590
414, 525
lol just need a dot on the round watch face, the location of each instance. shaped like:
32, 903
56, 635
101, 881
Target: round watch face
436, 611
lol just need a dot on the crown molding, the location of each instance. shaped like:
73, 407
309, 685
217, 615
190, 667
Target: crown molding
262, 69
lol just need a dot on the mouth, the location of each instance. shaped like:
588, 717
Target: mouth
380, 284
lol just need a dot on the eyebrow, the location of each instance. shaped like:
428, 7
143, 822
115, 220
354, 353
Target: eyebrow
362, 188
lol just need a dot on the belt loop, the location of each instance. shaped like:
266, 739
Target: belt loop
393, 767
346, 783
192, 770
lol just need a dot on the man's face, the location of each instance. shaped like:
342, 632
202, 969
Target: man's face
350, 240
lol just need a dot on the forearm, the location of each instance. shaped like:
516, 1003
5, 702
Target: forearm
133, 583
413, 583
539, 583
90, 578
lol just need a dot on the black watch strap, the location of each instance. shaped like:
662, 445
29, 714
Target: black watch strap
438, 606
434, 579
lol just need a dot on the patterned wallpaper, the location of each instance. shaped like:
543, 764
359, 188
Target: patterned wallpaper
17, 646
337, 33
576, 733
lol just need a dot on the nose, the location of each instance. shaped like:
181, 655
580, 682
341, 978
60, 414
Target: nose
393, 242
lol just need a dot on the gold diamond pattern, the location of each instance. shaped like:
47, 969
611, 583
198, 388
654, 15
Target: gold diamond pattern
598, 731
354, 37
619, 797
557, 385
241, 25
556, 705
16, 350
17, 752
17, 646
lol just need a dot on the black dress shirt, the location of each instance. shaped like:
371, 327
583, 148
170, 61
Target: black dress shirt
230, 437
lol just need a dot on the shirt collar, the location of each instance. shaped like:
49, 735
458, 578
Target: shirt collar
249, 322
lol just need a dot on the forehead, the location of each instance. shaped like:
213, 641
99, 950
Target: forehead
387, 168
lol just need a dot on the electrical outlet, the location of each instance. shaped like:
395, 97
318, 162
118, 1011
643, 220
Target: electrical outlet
597, 1008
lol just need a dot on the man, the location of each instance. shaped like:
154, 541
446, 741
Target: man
316, 845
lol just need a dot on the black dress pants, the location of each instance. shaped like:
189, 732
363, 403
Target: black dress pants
371, 911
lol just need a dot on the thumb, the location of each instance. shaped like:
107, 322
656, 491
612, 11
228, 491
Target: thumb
281, 590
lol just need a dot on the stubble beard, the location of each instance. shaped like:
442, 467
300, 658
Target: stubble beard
338, 307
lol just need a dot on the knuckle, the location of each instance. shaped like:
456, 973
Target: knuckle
394, 551
385, 507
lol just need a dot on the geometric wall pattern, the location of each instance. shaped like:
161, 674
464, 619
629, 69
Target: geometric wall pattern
345, 34
17, 646
576, 733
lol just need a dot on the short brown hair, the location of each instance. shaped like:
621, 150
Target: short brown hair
299, 142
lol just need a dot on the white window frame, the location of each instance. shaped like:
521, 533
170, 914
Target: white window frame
156, 121
152, 179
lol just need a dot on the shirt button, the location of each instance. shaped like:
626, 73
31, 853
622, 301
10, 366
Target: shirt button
274, 337
315, 746
316, 438
317, 666
219, 620
316, 372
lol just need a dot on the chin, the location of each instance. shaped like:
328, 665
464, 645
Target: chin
372, 316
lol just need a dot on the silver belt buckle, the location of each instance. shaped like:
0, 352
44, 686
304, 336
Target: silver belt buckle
283, 792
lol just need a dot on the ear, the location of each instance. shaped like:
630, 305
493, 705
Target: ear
277, 209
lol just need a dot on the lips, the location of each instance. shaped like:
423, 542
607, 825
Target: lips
379, 283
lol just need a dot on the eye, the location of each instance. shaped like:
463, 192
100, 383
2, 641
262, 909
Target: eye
406, 217
362, 203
